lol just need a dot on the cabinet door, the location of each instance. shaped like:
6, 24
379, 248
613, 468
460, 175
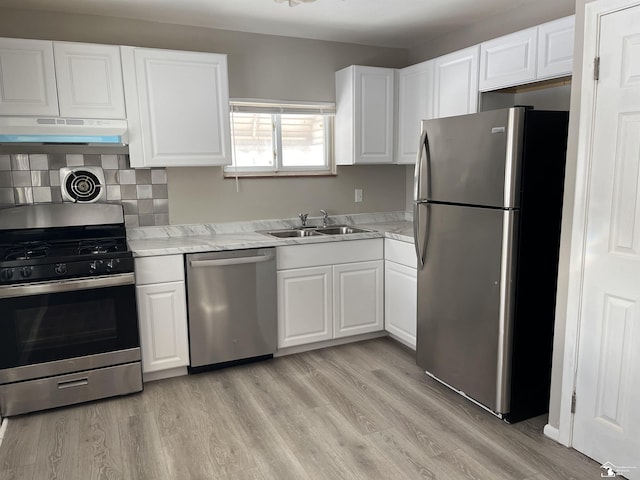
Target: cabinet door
177, 107
162, 313
89, 79
456, 83
555, 48
364, 115
27, 78
400, 302
509, 60
415, 103
358, 298
304, 306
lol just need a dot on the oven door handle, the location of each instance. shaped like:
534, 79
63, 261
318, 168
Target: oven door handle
59, 286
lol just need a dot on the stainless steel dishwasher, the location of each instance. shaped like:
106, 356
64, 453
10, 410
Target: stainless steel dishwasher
231, 298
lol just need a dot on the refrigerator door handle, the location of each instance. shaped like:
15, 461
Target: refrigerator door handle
420, 232
423, 152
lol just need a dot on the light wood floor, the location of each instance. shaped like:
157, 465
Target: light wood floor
362, 411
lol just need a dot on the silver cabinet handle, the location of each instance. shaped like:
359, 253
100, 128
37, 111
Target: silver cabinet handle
231, 261
59, 286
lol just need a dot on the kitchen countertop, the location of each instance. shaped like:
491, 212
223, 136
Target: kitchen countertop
180, 239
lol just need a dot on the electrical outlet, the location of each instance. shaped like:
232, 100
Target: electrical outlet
358, 193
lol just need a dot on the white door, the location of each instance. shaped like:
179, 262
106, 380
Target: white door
89, 78
162, 316
455, 84
304, 306
607, 417
357, 298
27, 78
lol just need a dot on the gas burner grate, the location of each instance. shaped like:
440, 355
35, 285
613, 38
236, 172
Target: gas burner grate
27, 251
95, 247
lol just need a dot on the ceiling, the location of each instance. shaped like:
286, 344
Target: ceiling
388, 23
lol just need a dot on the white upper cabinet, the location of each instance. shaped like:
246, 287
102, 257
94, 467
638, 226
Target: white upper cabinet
415, 103
555, 48
364, 115
509, 60
530, 55
177, 107
456, 83
76, 80
27, 78
89, 80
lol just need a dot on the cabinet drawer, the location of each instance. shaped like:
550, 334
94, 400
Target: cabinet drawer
159, 269
313, 255
403, 253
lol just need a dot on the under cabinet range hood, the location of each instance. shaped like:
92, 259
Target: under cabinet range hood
56, 130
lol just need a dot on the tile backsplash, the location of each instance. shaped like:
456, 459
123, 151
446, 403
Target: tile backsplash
35, 178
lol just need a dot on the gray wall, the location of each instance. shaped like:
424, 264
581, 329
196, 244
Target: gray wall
265, 198
525, 15
260, 66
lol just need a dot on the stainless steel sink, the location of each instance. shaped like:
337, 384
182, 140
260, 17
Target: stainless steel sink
341, 230
293, 233
315, 231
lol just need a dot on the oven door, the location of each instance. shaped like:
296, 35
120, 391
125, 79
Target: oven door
50, 328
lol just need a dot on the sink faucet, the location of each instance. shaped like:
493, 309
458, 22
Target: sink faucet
303, 218
325, 217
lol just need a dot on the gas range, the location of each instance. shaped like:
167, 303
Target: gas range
69, 325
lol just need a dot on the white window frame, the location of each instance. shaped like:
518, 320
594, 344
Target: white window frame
275, 107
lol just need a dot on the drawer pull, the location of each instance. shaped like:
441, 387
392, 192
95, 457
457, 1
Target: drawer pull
73, 383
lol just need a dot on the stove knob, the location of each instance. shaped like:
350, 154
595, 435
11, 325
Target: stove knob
7, 274
94, 266
26, 271
61, 268
111, 264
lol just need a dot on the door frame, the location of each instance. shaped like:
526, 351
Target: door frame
594, 11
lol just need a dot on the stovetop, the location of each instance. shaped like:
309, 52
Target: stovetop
47, 251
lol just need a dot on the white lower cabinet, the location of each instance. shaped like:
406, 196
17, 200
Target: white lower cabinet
162, 312
304, 306
357, 298
400, 291
329, 290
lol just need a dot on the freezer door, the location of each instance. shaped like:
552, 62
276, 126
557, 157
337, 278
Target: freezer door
465, 300
471, 159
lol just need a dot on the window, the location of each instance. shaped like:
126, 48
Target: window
273, 139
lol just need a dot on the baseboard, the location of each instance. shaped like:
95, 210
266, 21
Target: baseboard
3, 428
328, 343
552, 432
162, 374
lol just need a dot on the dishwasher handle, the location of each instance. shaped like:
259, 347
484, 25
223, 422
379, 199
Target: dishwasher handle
231, 261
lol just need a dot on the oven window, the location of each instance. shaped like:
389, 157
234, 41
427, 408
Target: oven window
44, 328
86, 322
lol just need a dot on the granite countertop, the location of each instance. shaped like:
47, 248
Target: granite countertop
178, 239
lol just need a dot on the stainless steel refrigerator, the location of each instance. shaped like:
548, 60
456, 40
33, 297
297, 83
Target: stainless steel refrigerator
487, 211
